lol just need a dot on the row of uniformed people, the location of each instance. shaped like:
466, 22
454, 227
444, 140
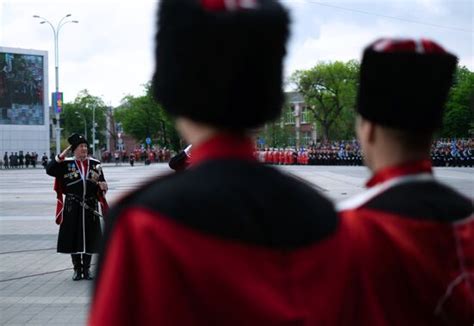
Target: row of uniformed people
15, 160
332, 157
462, 159
311, 157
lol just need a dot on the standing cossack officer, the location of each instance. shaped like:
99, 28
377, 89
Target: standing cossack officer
81, 179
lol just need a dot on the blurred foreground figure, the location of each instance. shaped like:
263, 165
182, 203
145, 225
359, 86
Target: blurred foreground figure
227, 241
412, 236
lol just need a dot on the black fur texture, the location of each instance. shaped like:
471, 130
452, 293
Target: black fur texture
222, 68
405, 91
75, 140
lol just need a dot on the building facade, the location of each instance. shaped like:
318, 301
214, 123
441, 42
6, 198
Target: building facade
24, 101
295, 127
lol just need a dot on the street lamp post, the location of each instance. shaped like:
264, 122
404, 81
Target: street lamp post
56, 64
93, 131
85, 123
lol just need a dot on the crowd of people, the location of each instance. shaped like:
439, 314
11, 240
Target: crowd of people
444, 152
452, 152
18, 160
139, 154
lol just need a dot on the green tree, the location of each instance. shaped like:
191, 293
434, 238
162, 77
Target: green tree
459, 112
276, 135
79, 115
143, 117
329, 91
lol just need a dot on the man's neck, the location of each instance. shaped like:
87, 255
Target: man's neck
195, 133
385, 161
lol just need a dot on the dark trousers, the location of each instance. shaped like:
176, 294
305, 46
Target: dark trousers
81, 261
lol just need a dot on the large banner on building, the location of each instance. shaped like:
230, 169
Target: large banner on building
22, 88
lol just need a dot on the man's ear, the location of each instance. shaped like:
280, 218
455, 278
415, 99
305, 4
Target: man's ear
370, 130
365, 130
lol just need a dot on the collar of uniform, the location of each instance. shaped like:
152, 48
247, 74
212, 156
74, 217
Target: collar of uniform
224, 145
83, 165
414, 167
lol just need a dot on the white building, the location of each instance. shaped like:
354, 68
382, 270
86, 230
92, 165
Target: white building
24, 101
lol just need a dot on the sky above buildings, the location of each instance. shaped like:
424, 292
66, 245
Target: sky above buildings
110, 51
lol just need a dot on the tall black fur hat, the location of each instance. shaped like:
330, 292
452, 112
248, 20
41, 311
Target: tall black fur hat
75, 140
220, 62
404, 84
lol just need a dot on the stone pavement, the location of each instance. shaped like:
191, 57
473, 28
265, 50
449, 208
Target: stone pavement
35, 281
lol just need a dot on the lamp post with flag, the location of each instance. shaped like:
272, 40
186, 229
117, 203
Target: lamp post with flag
57, 97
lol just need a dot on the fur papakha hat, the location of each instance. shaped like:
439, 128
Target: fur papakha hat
220, 62
75, 140
404, 84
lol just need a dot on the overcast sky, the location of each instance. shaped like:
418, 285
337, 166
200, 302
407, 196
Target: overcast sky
110, 51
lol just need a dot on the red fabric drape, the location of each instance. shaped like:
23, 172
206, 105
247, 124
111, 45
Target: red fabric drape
58, 188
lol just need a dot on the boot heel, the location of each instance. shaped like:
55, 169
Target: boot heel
87, 274
77, 275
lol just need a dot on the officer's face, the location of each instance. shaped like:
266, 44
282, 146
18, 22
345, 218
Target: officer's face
81, 151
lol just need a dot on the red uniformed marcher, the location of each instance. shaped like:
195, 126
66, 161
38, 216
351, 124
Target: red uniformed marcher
271, 156
304, 158
276, 157
287, 157
228, 241
266, 158
412, 236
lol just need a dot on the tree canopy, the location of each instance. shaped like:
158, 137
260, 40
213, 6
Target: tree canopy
143, 117
78, 117
459, 112
329, 90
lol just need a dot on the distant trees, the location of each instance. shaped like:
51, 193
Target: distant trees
78, 116
276, 134
459, 113
329, 90
142, 117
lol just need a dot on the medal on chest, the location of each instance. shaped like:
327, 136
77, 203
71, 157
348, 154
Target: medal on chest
71, 171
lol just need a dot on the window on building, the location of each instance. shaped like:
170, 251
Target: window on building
306, 115
290, 115
306, 138
291, 141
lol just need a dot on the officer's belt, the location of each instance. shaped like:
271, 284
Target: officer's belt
77, 197
80, 201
